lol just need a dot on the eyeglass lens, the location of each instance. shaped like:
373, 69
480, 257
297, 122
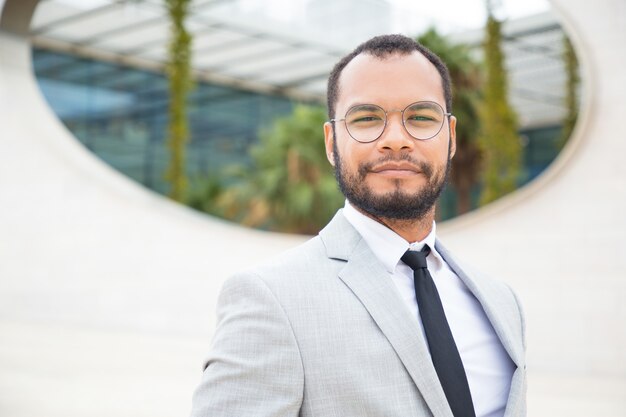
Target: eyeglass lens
422, 120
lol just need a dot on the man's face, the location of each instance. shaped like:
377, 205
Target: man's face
396, 176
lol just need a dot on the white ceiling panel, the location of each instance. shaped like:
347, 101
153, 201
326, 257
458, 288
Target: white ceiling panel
238, 47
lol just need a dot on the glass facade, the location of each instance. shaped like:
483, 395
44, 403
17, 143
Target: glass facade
121, 115
540, 148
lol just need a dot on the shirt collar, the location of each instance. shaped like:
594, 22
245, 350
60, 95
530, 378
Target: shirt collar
386, 244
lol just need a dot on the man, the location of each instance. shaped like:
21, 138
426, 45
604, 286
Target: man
350, 323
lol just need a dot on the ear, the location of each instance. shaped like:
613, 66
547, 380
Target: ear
452, 124
328, 141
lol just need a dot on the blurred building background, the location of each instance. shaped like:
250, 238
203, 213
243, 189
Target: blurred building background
107, 290
100, 66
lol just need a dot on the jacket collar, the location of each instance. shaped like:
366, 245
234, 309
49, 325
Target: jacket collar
371, 283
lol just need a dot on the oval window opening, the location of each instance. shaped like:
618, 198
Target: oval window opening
100, 64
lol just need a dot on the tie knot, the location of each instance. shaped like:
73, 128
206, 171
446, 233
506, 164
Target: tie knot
416, 260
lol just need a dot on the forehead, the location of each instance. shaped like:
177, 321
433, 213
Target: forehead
391, 82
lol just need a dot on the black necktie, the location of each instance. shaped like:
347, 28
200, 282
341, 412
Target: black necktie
441, 344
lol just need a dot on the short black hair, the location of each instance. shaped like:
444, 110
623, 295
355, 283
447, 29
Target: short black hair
382, 47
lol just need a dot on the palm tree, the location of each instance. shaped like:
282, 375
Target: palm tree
290, 186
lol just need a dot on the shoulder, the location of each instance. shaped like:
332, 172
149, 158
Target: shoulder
317, 259
304, 268
306, 257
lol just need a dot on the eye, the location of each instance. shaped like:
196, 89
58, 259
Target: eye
421, 118
366, 118
424, 113
366, 115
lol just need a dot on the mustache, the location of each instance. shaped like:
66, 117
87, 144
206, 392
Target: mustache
423, 166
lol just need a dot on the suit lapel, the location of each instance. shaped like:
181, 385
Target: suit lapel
496, 305
372, 285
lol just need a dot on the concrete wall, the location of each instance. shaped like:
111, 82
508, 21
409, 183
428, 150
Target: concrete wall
107, 290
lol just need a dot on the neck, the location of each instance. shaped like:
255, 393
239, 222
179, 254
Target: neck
411, 230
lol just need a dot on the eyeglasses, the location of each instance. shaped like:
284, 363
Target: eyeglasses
366, 122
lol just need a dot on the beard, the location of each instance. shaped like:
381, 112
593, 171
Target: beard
398, 204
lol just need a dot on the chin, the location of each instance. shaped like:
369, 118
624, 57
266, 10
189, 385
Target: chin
388, 186
395, 183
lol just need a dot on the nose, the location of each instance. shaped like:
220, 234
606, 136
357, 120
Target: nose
395, 138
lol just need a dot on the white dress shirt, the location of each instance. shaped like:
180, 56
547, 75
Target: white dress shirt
487, 365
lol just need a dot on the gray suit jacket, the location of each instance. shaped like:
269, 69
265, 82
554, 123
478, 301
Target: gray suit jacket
322, 331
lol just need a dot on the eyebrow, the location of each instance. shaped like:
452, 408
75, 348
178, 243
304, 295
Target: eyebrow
427, 105
365, 106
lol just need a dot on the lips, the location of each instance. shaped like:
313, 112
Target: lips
396, 167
